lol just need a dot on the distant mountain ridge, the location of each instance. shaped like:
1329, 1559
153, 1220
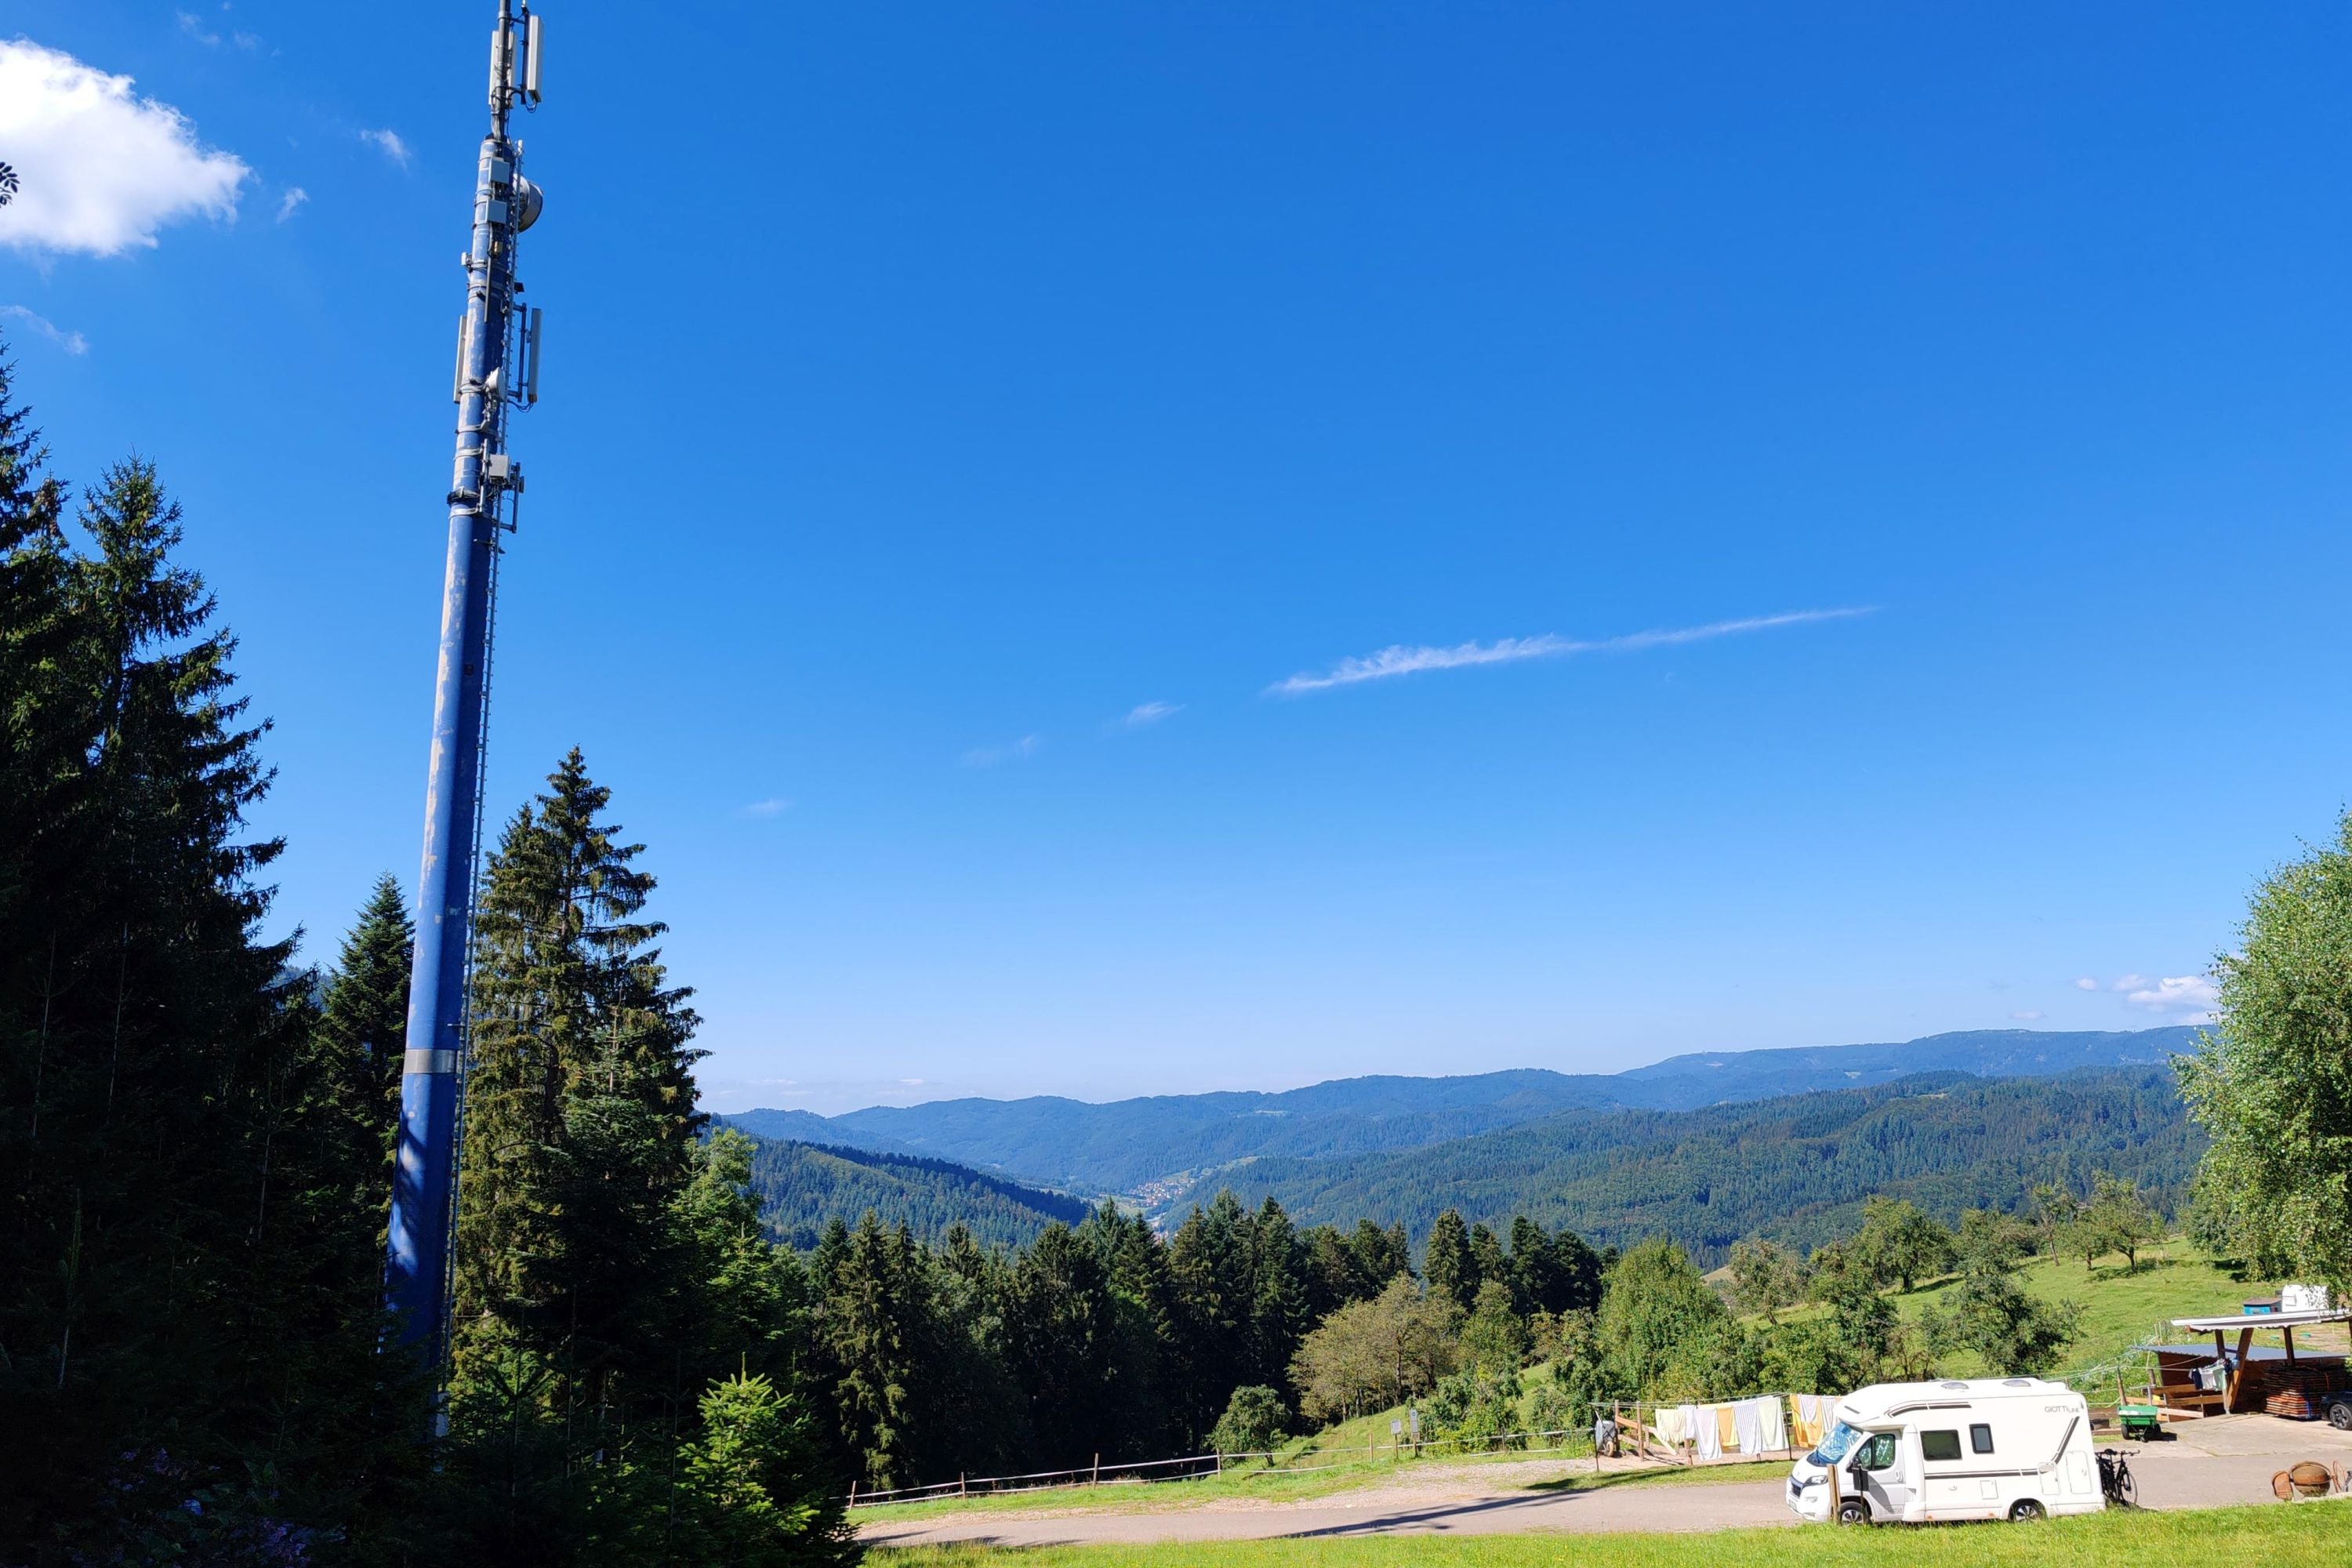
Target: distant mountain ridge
1794, 1167
1161, 1146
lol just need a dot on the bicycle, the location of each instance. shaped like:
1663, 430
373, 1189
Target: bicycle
2115, 1478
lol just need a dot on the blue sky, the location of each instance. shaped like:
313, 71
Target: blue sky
963, 424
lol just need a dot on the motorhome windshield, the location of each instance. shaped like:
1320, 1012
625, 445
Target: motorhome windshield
1836, 1446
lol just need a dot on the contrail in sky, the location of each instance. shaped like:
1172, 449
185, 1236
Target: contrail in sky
1401, 660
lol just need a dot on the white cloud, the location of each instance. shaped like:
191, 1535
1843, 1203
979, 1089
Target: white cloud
767, 807
2178, 994
71, 342
1402, 659
2129, 982
193, 27
2086, 984
1012, 752
2025, 1017
294, 198
100, 170
389, 143
1144, 714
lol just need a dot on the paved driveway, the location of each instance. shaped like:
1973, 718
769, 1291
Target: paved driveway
2210, 1464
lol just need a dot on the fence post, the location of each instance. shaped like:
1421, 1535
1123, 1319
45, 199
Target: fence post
853, 1493
963, 1484
1097, 1480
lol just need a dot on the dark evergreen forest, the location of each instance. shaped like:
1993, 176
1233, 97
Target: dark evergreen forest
1797, 1169
800, 1186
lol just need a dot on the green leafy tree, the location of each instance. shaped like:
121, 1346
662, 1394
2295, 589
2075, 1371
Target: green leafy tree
1765, 1277
1370, 1355
1989, 1239
2122, 1218
2015, 1334
1253, 1422
2273, 1081
1494, 1337
1898, 1244
1655, 1302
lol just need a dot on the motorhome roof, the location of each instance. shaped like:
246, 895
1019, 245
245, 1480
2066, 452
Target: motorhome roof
1882, 1399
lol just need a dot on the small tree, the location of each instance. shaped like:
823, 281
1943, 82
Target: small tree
1764, 1278
1900, 1244
1252, 1422
754, 1489
2014, 1333
2122, 1219
1992, 1240
1493, 1337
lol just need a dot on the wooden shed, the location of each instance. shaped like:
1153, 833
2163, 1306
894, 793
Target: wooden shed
2233, 1375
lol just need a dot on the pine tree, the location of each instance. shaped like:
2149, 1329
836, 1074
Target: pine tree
364, 1021
872, 1327
143, 1032
749, 1493
579, 1119
1278, 1295
1216, 1289
1448, 1261
1062, 1325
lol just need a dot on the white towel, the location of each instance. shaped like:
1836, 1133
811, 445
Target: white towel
1709, 1432
1746, 1430
1771, 1424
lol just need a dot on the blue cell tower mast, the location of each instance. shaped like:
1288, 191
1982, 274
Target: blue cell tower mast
498, 369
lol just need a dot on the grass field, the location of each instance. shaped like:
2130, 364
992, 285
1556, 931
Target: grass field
2121, 1310
2274, 1536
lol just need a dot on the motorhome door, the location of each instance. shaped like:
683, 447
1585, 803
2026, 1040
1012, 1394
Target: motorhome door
1881, 1475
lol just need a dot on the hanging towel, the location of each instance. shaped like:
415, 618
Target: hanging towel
1672, 1425
1811, 1425
1747, 1427
1771, 1427
1710, 1430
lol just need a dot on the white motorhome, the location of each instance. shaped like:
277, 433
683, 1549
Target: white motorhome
1990, 1447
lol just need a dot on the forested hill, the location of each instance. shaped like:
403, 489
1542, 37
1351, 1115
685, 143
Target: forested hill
1795, 1168
1130, 1145
800, 1186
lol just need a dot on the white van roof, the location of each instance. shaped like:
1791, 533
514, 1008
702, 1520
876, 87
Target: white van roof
1882, 1400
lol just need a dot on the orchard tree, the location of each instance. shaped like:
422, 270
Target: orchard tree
1765, 1277
1900, 1244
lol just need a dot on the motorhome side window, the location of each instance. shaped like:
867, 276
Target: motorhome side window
1980, 1437
1940, 1445
1876, 1453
